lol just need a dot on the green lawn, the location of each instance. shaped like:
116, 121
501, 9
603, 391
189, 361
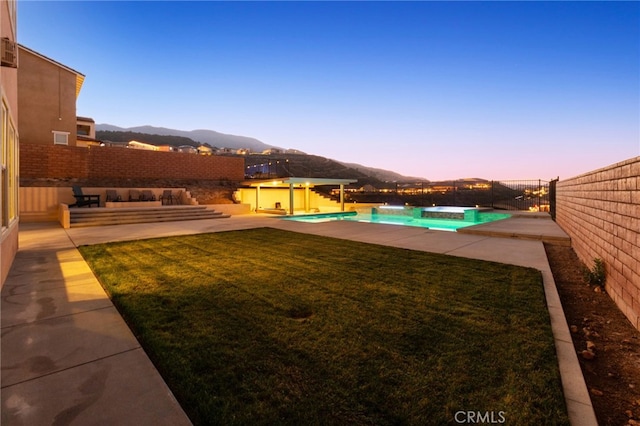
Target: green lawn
266, 326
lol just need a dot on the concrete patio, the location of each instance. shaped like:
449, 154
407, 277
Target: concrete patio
67, 355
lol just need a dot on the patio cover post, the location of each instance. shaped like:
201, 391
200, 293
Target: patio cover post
342, 197
291, 199
307, 201
257, 197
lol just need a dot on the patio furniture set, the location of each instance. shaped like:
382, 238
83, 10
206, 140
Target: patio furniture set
135, 195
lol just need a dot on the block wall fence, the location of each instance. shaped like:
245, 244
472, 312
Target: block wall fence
600, 211
63, 162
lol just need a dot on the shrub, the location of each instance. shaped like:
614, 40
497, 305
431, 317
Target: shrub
595, 276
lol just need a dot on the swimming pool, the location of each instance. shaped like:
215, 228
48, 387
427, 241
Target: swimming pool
442, 218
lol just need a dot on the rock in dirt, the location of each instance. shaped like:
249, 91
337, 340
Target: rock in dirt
596, 392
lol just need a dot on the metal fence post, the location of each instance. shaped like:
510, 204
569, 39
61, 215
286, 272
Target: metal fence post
492, 184
552, 197
539, 190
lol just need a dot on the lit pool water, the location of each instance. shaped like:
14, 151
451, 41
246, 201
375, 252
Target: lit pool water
402, 220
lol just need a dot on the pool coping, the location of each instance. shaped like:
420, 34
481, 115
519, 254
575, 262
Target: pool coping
536, 228
388, 218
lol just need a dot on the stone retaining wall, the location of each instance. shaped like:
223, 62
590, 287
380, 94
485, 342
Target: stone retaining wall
600, 211
41, 204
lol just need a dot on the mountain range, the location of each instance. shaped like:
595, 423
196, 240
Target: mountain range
222, 140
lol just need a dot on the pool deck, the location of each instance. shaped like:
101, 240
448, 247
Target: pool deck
68, 356
520, 226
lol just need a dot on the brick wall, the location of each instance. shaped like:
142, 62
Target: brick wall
600, 210
64, 162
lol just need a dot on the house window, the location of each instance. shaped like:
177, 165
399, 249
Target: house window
8, 169
60, 138
83, 130
3, 168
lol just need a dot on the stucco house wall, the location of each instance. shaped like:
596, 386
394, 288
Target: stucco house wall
47, 92
9, 217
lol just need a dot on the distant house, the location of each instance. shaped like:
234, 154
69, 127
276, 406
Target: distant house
295, 151
114, 144
204, 150
442, 188
368, 188
226, 151
272, 151
188, 149
47, 93
86, 132
142, 145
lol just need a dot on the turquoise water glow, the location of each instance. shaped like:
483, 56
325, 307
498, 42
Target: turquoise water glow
438, 224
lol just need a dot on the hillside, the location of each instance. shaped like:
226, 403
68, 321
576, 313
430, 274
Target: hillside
383, 175
126, 136
303, 165
210, 137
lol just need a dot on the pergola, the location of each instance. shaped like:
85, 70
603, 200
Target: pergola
298, 182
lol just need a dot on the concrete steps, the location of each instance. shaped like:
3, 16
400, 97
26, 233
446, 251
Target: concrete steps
120, 216
326, 196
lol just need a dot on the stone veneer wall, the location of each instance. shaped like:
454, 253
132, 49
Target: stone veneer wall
600, 211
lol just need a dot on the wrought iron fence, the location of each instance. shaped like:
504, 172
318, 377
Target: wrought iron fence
506, 195
532, 195
520, 195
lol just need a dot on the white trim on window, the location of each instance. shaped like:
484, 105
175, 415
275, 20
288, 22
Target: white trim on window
4, 202
60, 138
13, 5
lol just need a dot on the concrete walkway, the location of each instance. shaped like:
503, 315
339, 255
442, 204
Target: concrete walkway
68, 356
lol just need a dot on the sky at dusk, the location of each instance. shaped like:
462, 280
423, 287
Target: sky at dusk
439, 90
